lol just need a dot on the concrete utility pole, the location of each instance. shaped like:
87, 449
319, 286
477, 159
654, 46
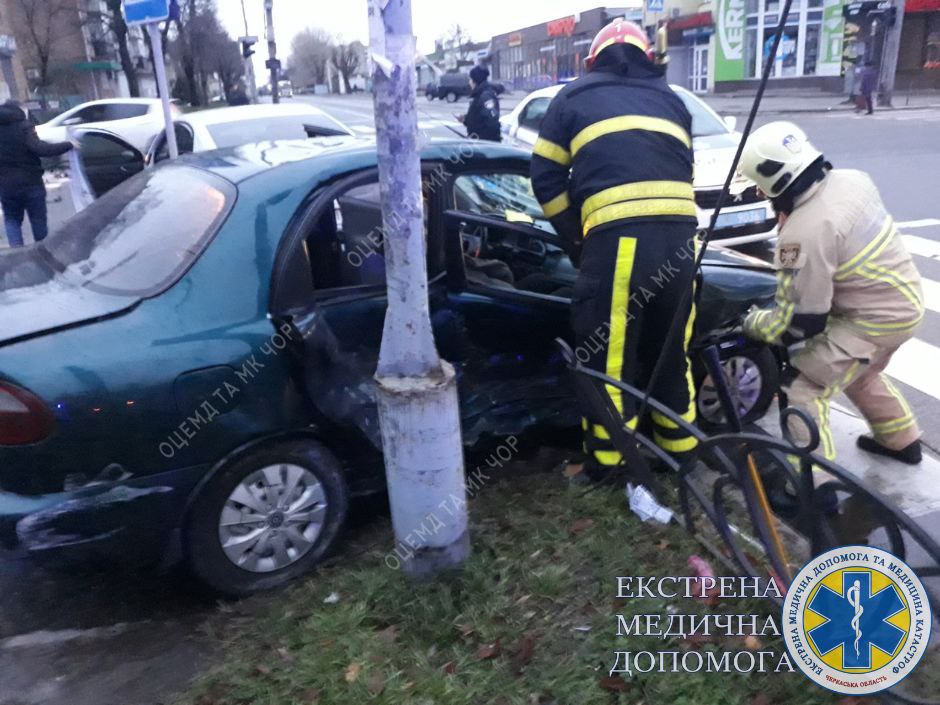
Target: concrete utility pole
273, 64
889, 62
417, 391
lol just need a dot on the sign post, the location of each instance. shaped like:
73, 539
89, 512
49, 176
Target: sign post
150, 13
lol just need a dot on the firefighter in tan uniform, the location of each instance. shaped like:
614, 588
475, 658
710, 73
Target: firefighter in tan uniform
845, 284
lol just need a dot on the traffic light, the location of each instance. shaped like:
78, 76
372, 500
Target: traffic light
247, 43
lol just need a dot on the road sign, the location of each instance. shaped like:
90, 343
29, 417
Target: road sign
656, 5
143, 11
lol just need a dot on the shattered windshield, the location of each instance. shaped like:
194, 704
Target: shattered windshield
140, 237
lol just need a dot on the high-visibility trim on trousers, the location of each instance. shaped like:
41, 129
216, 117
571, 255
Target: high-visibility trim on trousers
643, 208
635, 191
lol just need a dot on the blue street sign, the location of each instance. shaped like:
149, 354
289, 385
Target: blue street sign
655, 5
143, 11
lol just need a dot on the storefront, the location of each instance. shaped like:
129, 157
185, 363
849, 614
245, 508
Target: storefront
810, 52
919, 58
547, 53
690, 39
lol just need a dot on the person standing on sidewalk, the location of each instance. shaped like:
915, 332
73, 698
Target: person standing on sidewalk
21, 187
482, 118
868, 87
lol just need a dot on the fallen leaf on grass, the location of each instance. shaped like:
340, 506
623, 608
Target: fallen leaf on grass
522, 652
489, 651
217, 693
387, 635
615, 684
752, 643
309, 696
449, 668
760, 699
571, 470
580, 526
285, 654
465, 630
262, 670
352, 672
662, 545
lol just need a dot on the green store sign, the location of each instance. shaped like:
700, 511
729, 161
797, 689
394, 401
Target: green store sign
730, 18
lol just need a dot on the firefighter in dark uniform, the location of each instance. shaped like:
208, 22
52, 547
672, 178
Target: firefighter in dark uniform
482, 118
612, 169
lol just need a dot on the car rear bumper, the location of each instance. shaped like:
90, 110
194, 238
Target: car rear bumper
133, 517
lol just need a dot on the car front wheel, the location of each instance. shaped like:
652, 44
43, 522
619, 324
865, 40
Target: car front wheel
452, 97
753, 376
266, 517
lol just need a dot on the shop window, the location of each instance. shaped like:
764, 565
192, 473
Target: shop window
811, 51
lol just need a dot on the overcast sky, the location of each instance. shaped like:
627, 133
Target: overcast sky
347, 19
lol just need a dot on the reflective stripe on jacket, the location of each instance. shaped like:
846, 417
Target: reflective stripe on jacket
615, 147
840, 255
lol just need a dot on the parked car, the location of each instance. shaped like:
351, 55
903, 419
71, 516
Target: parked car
746, 217
449, 87
108, 160
135, 120
186, 366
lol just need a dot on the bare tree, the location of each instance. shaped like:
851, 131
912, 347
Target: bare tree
346, 61
43, 23
461, 42
111, 21
311, 50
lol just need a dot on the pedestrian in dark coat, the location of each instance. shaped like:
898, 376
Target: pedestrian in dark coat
482, 118
869, 86
21, 187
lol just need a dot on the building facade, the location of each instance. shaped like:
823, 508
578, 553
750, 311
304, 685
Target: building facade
919, 59
549, 52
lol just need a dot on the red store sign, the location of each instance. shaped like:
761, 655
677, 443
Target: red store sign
563, 27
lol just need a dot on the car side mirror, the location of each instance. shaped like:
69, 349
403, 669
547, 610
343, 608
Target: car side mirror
731, 122
72, 121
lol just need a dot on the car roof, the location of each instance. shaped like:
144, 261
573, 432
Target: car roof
324, 158
111, 101
238, 113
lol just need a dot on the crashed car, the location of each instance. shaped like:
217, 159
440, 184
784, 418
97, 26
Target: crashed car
186, 366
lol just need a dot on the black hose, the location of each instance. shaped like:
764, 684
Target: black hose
679, 323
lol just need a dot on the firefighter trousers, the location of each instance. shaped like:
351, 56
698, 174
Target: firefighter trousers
628, 293
841, 360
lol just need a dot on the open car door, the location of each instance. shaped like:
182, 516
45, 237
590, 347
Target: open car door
105, 160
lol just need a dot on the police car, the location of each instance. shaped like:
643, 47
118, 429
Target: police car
746, 216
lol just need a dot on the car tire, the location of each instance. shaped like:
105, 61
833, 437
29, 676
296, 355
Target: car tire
451, 97
320, 476
755, 379
429, 95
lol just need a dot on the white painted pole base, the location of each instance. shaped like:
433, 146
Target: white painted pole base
424, 470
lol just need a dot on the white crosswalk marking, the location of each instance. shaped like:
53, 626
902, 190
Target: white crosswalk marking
914, 364
924, 223
922, 246
931, 294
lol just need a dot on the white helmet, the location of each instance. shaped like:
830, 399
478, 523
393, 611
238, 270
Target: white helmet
775, 155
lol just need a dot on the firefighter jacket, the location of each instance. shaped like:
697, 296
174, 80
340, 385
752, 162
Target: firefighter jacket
841, 265
615, 145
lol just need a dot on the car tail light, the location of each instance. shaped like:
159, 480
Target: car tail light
24, 418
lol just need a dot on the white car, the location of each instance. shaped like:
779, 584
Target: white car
133, 119
746, 216
106, 159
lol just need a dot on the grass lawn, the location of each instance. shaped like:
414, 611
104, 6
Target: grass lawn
531, 619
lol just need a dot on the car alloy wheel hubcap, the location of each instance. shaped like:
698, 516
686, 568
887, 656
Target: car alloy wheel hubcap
745, 381
272, 518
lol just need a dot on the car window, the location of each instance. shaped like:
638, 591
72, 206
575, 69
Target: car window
500, 195
704, 123
184, 142
288, 127
123, 111
91, 113
120, 245
345, 246
533, 113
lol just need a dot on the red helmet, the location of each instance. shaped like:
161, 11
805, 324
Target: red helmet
620, 31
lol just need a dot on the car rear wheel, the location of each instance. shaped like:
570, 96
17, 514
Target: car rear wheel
753, 375
451, 97
265, 518
430, 95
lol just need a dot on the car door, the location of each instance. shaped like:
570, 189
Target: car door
106, 160
510, 290
329, 285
